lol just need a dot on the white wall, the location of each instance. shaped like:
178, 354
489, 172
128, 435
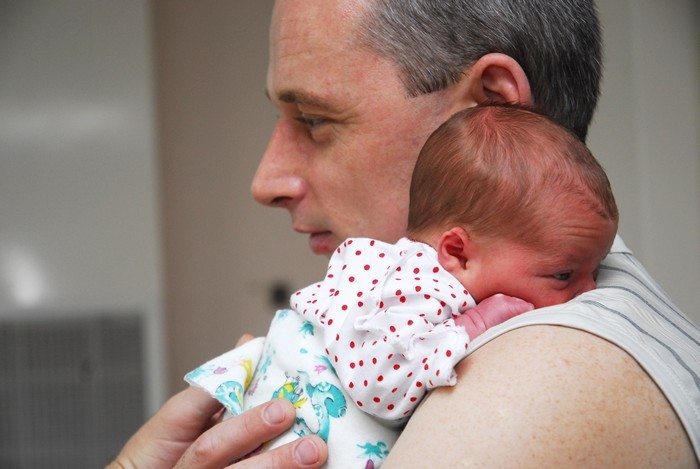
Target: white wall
78, 189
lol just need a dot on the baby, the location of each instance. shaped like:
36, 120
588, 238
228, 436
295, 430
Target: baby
508, 211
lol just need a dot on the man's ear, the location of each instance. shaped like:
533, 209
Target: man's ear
453, 249
494, 77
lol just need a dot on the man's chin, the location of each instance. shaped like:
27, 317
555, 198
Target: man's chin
323, 243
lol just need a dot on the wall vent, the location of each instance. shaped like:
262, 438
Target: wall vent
72, 390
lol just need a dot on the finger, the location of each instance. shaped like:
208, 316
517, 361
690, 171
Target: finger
239, 435
217, 418
188, 413
308, 453
244, 338
162, 440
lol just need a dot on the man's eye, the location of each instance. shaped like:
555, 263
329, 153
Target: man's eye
563, 276
310, 122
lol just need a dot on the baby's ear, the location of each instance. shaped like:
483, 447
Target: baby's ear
453, 249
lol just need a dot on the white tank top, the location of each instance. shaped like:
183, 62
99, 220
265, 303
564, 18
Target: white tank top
630, 310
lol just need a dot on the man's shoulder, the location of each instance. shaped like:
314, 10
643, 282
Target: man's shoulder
557, 396
579, 389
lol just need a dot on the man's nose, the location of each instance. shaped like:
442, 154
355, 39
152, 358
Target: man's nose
278, 181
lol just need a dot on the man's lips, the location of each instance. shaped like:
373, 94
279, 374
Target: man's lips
322, 242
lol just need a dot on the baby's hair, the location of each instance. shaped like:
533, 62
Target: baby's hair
505, 171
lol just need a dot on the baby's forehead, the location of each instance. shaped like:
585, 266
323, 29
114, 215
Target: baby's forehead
576, 242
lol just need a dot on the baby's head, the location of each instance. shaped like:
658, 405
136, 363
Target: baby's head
513, 203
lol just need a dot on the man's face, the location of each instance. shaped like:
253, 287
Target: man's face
341, 155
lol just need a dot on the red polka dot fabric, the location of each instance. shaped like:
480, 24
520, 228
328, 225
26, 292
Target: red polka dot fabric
386, 314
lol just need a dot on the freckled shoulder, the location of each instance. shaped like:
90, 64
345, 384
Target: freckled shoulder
546, 396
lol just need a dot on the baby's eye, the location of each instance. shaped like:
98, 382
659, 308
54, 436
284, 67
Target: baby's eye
563, 276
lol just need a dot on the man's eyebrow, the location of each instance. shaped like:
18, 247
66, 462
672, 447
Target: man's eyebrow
298, 97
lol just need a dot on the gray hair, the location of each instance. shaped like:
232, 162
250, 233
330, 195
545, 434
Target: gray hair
556, 42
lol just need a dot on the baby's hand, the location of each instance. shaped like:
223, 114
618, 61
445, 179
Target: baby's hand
498, 308
490, 312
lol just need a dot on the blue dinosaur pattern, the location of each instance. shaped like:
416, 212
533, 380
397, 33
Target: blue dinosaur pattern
327, 402
306, 329
373, 451
230, 394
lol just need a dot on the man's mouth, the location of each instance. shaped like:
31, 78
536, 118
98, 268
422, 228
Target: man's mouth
322, 243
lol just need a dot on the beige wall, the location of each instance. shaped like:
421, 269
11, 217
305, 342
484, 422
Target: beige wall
222, 252
645, 133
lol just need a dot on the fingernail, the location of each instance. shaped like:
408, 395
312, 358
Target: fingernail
306, 452
275, 413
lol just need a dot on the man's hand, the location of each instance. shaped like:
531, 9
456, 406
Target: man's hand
183, 434
187, 432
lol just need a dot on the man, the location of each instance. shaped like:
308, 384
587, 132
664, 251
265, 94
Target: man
355, 107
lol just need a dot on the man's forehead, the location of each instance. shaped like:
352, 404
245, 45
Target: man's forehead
321, 19
311, 58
